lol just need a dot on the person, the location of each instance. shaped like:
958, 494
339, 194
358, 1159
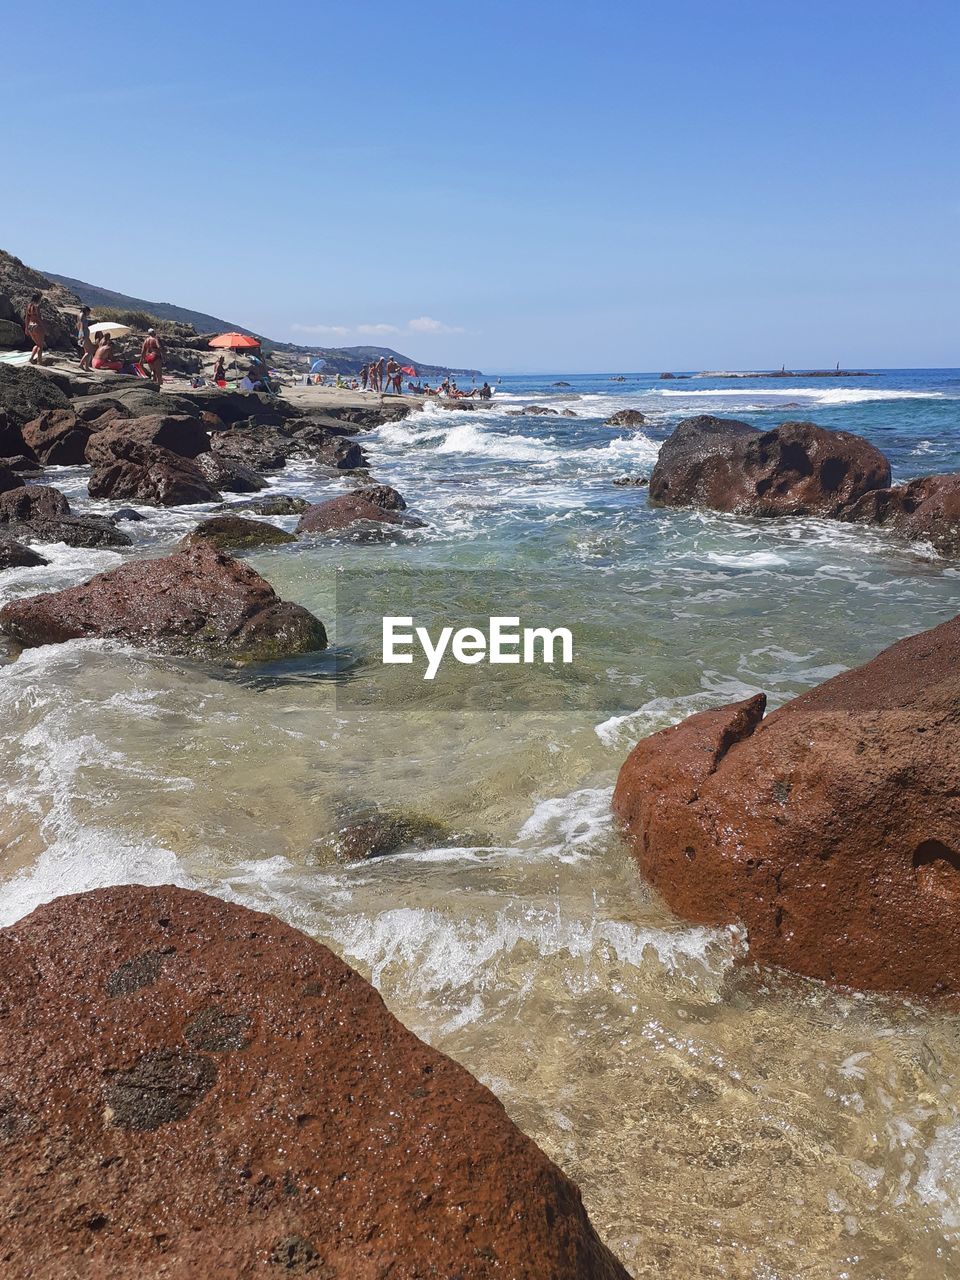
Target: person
105, 356
35, 329
486, 392
364, 375
151, 356
392, 368
220, 372
83, 338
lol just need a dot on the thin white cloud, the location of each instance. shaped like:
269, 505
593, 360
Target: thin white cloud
427, 324
373, 329
321, 330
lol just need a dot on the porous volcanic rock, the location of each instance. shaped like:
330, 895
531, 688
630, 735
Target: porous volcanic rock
234, 532
229, 475
199, 602
57, 438
146, 473
14, 555
353, 508
33, 502
186, 437
797, 468
192, 1089
626, 418
927, 510
831, 829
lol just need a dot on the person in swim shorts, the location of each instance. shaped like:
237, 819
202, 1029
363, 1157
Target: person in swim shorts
151, 356
105, 356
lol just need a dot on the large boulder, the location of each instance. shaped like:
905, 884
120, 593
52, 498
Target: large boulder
14, 555
33, 502
73, 531
925, 510
830, 828
12, 444
12, 335
9, 479
372, 506
146, 473
233, 407
230, 532
260, 448
26, 392
797, 468
18, 284
198, 603
626, 418
57, 438
185, 436
192, 1090
229, 475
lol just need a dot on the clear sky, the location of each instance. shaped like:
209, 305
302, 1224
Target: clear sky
507, 184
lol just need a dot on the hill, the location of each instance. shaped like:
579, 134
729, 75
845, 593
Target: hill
345, 360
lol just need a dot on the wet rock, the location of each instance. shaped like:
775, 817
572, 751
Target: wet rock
533, 411
12, 444
331, 451
568, 413
230, 476
145, 473
33, 502
275, 504
830, 828
260, 448
57, 438
291, 1124
74, 531
8, 479
349, 509
626, 418
26, 392
199, 603
14, 555
234, 532
186, 437
375, 833
127, 514
639, 482
797, 468
382, 495
925, 510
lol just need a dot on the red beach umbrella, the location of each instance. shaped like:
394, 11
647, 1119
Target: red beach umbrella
408, 368
235, 341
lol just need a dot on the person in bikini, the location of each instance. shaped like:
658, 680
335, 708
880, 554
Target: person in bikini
105, 356
151, 356
35, 329
83, 338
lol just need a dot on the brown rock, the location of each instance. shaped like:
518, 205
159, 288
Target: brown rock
831, 829
57, 437
234, 532
9, 479
75, 531
33, 502
353, 508
230, 476
260, 448
146, 473
200, 603
192, 1089
186, 437
14, 555
382, 495
626, 418
926, 510
797, 468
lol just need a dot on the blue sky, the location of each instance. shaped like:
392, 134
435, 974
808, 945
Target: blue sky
513, 186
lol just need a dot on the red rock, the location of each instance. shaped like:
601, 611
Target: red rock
797, 468
146, 473
32, 502
187, 437
350, 509
192, 1090
831, 829
57, 437
927, 510
198, 602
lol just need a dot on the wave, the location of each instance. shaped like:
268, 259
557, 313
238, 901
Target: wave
820, 395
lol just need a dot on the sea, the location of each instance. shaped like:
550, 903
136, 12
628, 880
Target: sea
722, 1119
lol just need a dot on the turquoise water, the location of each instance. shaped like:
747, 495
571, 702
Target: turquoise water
721, 1120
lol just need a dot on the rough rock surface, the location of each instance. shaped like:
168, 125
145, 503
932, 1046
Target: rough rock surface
274, 504
228, 475
57, 437
26, 392
12, 444
14, 555
797, 468
146, 473
198, 602
349, 509
926, 510
626, 418
831, 828
228, 531
192, 1089
75, 531
33, 502
9, 479
260, 448
186, 437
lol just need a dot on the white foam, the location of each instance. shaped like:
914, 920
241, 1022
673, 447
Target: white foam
568, 826
820, 395
660, 713
747, 560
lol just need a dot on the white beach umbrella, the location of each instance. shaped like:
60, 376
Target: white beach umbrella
109, 328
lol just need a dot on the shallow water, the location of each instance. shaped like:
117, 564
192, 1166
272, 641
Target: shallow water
721, 1121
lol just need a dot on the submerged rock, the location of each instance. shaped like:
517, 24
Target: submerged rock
375, 833
198, 602
167, 1053
925, 510
797, 468
147, 473
831, 829
226, 532
374, 505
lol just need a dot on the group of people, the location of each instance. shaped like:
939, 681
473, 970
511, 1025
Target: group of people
382, 375
100, 352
